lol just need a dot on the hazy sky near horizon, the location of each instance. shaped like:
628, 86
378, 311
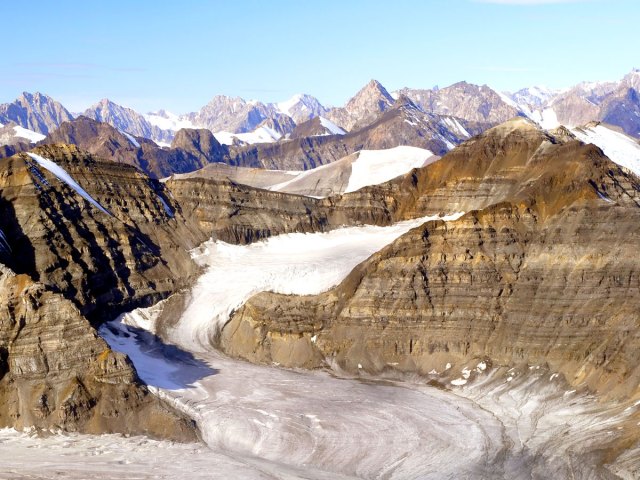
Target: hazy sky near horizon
177, 55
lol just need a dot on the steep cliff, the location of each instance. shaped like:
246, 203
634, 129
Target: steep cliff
127, 248
56, 373
542, 270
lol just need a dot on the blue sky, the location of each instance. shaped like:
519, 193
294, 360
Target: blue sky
179, 54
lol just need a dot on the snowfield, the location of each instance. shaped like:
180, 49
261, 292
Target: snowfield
62, 175
259, 135
378, 166
332, 127
620, 148
368, 167
297, 263
33, 137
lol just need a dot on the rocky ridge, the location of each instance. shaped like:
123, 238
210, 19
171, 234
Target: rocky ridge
529, 276
81, 242
127, 120
36, 112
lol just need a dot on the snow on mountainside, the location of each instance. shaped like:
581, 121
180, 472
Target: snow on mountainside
259, 135
127, 120
36, 112
533, 97
297, 264
168, 121
64, 176
622, 149
373, 167
301, 107
616, 103
331, 127
12, 133
358, 170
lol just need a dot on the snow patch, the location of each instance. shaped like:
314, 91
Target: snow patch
286, 106
63, 176
259, 135
332, 127
4, 244
166, 206
168, 121
620, 148
378, 166
33, 137
131, 138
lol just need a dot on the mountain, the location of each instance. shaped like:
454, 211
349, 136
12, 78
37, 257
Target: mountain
37, 112
82, 241
370, 101
115, 145
234, 115
12, 133
402, 123
127, 120
531, 98
619, 147
465, 100
615, 103
269, 130
363, 168
301, 108
448, 295
317, 126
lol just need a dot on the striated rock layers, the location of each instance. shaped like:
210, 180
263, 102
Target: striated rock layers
134, 252
56, 373
81, 241
542, 270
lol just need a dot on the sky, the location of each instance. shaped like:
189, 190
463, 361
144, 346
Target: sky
177, 55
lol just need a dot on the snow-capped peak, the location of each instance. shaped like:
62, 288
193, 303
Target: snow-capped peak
286, 106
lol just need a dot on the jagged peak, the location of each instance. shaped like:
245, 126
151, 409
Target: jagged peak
36, 96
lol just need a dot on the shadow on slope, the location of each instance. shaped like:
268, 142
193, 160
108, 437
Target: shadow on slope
158, 364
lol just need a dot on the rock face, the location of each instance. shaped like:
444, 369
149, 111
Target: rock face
126, 120
402, 124
301, 108
105, 141
56, 373
372, 100
135, 253
199, 144
241, 214
464, 100
36, 112
235, 115
615, 103
279, 123
542, 270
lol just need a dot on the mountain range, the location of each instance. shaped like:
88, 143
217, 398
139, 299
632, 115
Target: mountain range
234, 120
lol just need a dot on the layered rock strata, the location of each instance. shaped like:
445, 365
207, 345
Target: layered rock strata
542, 270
